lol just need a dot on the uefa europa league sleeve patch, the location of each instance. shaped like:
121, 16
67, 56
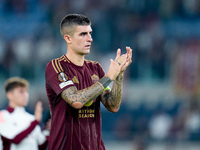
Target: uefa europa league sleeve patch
62, 77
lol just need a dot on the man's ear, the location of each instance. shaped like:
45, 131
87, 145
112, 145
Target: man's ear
67, 38
9, 95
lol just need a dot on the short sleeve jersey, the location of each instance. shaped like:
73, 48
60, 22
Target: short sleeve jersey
73, 129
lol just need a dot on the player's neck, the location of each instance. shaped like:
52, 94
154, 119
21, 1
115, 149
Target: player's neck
76, 59
13, 105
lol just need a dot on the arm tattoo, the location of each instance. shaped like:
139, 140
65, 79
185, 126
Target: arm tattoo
112, 100
72, 95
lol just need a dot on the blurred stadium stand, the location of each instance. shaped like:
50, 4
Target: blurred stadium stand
162, 85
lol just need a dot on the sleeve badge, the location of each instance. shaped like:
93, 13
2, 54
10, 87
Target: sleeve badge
62, 77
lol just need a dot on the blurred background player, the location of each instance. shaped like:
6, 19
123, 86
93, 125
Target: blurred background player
76, 86
19, 129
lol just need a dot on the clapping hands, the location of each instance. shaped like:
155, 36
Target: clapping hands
125, 59
120, 63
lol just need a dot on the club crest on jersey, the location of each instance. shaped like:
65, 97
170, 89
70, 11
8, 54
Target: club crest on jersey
62, 77
95, 78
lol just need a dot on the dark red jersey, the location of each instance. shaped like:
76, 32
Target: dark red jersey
73, 129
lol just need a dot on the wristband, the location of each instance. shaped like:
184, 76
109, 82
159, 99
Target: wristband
105, 81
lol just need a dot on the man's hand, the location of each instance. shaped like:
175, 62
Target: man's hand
120, 58
115, 67
120, 64
38, 111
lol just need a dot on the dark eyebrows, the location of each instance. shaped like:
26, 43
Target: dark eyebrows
85, 33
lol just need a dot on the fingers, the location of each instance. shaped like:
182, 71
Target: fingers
115, 62
118, 53
38, 111
128, 49
123, 60
113, 70
111, 60
39, 105
119, 63
129, 54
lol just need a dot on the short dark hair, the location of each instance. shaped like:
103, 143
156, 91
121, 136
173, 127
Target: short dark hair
14, 82
70, 20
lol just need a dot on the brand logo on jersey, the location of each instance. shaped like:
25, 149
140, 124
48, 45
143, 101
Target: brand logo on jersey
62, 77
75, 79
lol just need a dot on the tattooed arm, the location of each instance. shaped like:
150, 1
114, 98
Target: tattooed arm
112, 99
78, 98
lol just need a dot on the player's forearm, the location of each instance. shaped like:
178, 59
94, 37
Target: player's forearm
113, 99
78, 98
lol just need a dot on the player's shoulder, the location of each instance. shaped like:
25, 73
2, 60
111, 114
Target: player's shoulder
3, 111
4, 115
29, 115
56, 64
56, 61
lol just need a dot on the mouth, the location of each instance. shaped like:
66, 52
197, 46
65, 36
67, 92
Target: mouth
87, 46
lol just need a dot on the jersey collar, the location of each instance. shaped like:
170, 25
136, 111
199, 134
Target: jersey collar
10, 109
18, 109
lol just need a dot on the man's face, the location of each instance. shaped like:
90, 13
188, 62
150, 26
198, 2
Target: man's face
18, 96
81, 40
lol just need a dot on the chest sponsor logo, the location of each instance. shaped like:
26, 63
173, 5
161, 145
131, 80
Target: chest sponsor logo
86, 113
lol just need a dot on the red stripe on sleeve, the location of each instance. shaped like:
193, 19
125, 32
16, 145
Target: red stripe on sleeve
18, 138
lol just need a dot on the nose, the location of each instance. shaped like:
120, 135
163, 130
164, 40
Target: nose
90, 38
